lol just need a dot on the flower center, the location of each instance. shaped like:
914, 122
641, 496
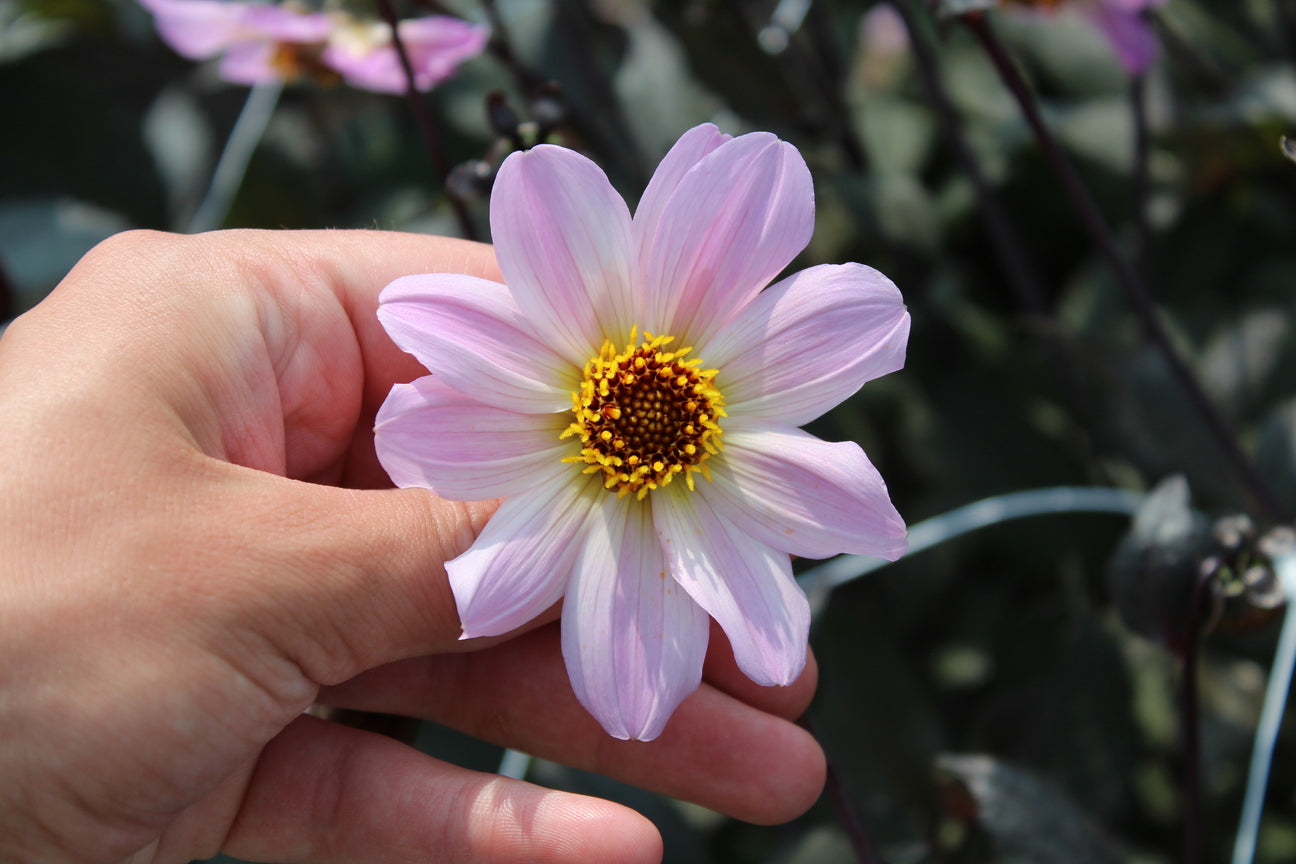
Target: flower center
645, 415
293, 61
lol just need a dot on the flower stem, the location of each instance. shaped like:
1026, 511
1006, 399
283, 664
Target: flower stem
1190, 723
1126, 277
865, 853
501, 45
1271, 715
426, 122
1141, 184
999, 228
232, 165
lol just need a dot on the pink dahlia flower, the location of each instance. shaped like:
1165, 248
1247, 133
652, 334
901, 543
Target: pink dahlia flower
436, 45
1127, 30
252, 40
633, 395
260, 42
1122, 22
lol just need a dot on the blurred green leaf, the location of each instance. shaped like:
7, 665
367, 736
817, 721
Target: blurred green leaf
1028, 820
40, 240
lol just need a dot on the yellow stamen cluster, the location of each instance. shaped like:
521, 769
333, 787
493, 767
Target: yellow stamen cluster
645, 415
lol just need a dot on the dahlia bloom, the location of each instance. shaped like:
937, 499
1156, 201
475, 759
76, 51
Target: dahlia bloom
252, 40
258, 43
633, 394
364, 54
1122, 22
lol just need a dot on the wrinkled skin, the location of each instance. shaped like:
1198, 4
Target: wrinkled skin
196, 545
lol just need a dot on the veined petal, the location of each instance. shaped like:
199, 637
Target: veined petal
470, 332
520, 564
432, 436
800, 494
734, 220
744, 584
435, 45
686, 152
809, 342
562, 237
632, 639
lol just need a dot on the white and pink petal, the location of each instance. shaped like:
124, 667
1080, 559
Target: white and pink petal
198, 29
632, 638
471, 333
745, 585
432, 436
522, 561
683, 155
562, 237
807, 343
803, 495
735, 219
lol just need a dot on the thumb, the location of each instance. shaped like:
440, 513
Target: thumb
336, 581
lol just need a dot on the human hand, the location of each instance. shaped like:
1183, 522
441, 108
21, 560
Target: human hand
195, 546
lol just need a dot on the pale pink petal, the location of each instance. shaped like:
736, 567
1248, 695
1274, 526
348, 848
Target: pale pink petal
472, 334
1130, 36
521, 563
197, 29
809, 342
1130, 6
377, 69
799, 494
435, 45
431, 436
562, 237
733, 222
632, 639
744, 584
250, 63
281, 24
686, 152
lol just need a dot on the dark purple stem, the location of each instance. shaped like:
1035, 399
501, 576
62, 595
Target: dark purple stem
1126, 277
1142, 183
426, 122
845, 810
1003, 236
501, 45
1190, 723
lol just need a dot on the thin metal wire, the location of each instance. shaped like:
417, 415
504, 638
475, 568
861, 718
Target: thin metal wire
1271, 715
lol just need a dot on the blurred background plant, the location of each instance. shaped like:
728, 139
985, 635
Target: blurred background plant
1087, 206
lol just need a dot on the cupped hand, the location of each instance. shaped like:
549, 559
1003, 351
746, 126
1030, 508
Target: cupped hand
196, 546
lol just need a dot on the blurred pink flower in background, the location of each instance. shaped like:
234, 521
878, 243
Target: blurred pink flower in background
252, 40
1122, 21
633, 395
259, 42
364, 54
1126, 28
